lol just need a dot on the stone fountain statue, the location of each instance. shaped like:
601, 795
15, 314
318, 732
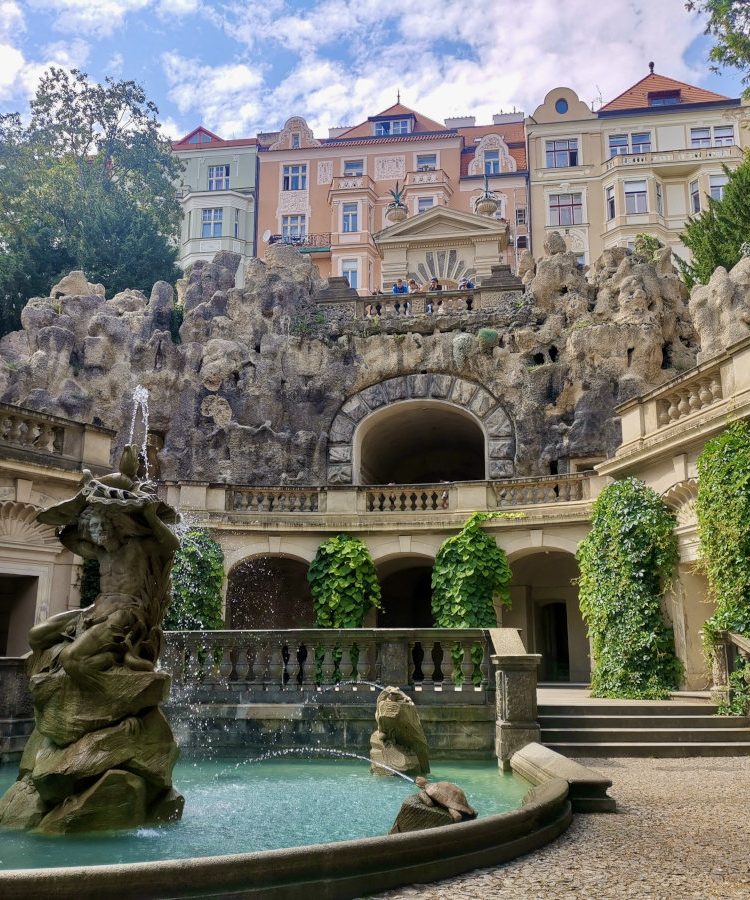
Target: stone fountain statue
101, 753
399, 741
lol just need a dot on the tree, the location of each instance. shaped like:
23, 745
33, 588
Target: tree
729, 24
89, 184
715, 237
197, 578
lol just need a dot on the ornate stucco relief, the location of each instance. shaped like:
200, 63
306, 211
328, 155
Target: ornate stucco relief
389, 167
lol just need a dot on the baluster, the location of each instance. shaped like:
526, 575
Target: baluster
428, 664
683, 405
673, 410
447, 663
263, 663
364, 661
663, 413
704, 393
346, 666
329, 665
275, 663
715, 388
225, 665
14, 432
306, 661
467, 664
694, 401
242, 665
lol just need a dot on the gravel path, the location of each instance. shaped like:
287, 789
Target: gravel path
682, 831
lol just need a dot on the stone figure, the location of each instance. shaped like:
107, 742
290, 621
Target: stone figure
399, 741
101, 754
438, 803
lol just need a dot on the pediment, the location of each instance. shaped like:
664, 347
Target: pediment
445, 223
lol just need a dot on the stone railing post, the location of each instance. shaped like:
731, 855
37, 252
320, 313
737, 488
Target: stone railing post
394, 661
515, 679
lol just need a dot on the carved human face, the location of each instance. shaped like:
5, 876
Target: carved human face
100, 530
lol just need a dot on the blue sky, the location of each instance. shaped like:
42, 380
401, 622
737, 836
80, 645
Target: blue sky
240, 66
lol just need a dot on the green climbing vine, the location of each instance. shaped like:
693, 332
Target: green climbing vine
626, 564
723, 512
343, 583
197, 579
470, 573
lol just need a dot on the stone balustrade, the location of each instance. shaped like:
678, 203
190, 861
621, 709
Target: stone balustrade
418, 498
278, 665
37, 437
520, 492
275, 500
689, 398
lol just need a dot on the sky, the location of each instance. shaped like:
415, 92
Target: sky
243, 66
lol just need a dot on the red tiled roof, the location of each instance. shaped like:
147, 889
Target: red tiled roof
511, 132
421, 123
215, 142
636, 97
390, 139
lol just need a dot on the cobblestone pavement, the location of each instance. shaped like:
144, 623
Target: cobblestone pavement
682, 831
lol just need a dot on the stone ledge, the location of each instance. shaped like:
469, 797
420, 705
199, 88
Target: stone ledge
588, 789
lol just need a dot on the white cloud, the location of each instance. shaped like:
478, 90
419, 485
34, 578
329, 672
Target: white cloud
11, 19
92, 17
178, 7
114, 65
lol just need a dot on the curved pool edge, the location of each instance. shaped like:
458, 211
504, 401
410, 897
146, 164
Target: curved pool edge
336, 871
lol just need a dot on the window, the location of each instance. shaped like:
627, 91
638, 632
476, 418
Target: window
427, 162
349, 217
491, 162
392, 126
200, 138
723, 135
695, 197
293, 227
295, 140
561, 106
580, 260
425, 203
636, 197
717, 185
522, 243
561, 154
211, 220
236, 224
349, 271
641, 141
700, 137
354, 167
565, 209
218, 178
521, 216
618, 144
664, 98
295, 178
659, 199
610, 197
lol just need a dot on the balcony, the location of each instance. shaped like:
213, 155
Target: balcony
352, 183
426, 176
305, 243
678, 162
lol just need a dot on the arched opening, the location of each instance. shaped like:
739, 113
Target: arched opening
419, 442
18, 596
545, 606
406, 593
269, 592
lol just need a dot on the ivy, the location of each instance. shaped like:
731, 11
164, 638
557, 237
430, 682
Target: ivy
343, 583
197, 579
626, 564
723, 512
470, 573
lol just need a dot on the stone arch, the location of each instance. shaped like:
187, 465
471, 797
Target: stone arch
681, 499
269, 590
467, 396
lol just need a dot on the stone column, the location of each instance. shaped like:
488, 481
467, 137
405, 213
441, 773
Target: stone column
515, 680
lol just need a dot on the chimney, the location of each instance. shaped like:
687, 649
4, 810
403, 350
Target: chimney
339, 129
461, 122
507, 118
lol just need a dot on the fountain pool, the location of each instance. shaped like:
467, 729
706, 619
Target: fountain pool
236, 806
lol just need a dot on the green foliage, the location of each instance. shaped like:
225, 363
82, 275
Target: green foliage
470, 573
343, 583
647, 247
89, 584
87, 183
715, 237
488, 339
397, 197
626, 563
738, 703
723, 512
197, 578
729, 25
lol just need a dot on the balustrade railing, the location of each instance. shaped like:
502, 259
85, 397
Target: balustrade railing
321, 239
206, 663
25, 429
731, 653
545, 489
419, 498
689, 398
273, 500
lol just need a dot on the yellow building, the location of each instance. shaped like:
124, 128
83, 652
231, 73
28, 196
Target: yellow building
643, 162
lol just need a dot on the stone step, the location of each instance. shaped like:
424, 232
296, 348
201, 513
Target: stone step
553, 736
629, 708
662, 750
643, 721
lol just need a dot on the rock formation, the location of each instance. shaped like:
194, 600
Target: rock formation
437, 803
399, 741
252, 390
101, 753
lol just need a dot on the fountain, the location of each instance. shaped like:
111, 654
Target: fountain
399, 741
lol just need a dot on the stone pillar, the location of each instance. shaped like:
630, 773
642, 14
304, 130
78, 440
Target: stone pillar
394, 662
515, 680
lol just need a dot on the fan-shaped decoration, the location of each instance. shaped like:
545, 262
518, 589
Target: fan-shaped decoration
18, 524
680, 498
445, 265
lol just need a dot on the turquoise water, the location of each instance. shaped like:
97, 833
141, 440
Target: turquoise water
235, 807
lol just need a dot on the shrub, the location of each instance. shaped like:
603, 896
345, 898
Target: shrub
488, 339
626, 563
197, 578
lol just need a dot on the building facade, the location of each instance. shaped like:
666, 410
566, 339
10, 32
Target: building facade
644, 162
330, 196
218, 194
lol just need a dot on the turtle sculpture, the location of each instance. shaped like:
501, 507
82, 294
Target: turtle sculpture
446, 795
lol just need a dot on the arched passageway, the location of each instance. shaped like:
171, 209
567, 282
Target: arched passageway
405, 593
419, 442
269, 592
545, 606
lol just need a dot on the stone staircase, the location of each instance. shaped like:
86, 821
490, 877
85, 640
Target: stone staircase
678, 728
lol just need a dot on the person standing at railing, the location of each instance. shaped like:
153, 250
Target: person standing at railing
399, 288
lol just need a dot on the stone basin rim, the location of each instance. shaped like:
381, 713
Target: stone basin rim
343, 869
